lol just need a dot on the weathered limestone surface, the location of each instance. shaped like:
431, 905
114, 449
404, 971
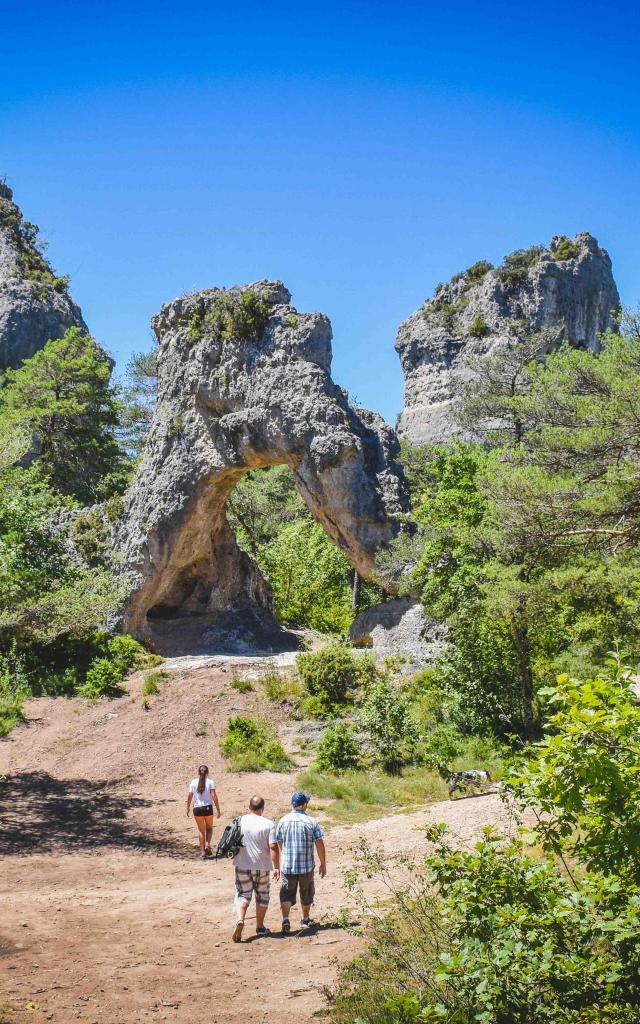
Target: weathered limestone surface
226, 405
35, 305
576, 295
399, 626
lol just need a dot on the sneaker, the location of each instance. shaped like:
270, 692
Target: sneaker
263, 931
305, 922
286, 926
237, 931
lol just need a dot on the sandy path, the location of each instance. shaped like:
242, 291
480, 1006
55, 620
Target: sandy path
105, 913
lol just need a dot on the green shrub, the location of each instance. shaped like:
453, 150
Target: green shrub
489, 935
11, 702
116, 656
338, 750
251, 746
103, 679
331, 675
151, 680
231, 317
387, 719
478, 271
449, 313
515, 267
565, 250
89, 532
280, 686
150, 686
542, 928
478, 327
314, 707
241, 685
126, 653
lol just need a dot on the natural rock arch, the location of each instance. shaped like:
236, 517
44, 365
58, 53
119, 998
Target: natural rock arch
243, 383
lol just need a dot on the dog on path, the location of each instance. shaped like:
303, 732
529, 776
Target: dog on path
473, 778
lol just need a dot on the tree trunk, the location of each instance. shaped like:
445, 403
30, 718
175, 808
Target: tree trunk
525, 674
355, 592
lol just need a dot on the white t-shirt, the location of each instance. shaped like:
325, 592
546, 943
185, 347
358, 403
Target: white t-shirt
205, 798
254, 855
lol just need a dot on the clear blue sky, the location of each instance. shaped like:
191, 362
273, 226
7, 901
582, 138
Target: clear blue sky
361, 152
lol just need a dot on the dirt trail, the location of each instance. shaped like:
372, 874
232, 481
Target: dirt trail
106, 914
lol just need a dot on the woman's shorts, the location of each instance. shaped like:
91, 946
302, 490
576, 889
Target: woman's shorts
248, 882
289, 885
203, 812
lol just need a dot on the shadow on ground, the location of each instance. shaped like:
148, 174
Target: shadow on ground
296, 933
43, 814
239, 634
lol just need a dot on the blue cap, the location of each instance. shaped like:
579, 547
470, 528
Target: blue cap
299, 799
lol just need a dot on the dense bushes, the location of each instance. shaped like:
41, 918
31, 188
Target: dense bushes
514, 270
251, 746
330, 677
58, 447
385, 722
526, 544
338, 750
389, 725
478, 327
543, 928
233, 316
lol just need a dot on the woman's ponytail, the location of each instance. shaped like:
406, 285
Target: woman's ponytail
203, 771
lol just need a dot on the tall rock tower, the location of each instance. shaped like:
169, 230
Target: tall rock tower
568, 285
35, 304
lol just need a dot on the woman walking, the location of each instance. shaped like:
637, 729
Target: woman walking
202, 793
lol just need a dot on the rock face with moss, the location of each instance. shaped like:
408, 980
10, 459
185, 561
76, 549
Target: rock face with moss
35, 304
568, 286
244, 382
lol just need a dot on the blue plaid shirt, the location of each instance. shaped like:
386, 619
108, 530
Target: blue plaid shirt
296, 833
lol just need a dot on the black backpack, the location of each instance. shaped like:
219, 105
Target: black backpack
230, 841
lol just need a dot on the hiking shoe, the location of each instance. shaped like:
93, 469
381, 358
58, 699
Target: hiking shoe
286, 926
305, 922
237, 931
263, 931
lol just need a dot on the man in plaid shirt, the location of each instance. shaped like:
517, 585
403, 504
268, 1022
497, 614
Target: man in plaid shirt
296, 836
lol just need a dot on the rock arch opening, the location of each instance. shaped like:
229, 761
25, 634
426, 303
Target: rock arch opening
236, 395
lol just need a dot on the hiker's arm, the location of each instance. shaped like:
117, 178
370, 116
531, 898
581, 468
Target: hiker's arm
214, 794
189, 799
274, 850
322, 854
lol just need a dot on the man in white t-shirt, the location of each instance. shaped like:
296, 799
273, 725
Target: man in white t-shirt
253, 865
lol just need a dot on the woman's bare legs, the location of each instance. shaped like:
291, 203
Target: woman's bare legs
208, 832
200, 822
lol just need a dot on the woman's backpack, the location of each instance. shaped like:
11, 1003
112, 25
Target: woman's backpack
230, 841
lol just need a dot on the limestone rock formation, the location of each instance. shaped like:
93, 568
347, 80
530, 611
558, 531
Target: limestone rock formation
399, 626
243, 383
35, 305
568, 285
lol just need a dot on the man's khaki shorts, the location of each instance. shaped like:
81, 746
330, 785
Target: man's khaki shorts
250, 882
289, 885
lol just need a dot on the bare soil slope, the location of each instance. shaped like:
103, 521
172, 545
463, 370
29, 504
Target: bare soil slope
106, 913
